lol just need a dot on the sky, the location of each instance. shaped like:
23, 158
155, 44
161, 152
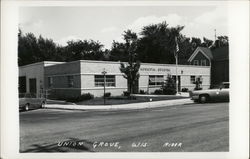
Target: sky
108, 23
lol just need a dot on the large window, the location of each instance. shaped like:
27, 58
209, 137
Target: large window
70, 81
156, 80
99, 81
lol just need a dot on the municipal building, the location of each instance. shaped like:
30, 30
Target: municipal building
69, 79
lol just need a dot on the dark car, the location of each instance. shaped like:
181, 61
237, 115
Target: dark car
29, 101
217, 94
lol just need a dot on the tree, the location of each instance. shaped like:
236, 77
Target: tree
221, 41
153, 45
206, 42
131, 69
169, 86
118, 53
84, 50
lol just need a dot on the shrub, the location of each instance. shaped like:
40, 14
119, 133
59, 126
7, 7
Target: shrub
184, 89
83, 97
142, 92
158, 91
108, 94
126, 93
169, 86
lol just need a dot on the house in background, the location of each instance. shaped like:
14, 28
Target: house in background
217, 58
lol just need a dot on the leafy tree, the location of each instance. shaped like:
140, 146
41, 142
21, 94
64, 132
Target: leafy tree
118, 53
27, 49
131, 69
221, 41
206, 42
196, 42
153, 45
84, 50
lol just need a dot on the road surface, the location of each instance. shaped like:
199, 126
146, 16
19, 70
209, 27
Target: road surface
184, 128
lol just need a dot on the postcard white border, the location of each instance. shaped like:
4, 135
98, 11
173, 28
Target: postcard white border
239, 77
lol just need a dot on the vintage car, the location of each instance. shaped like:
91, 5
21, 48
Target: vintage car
217, 94
29, 101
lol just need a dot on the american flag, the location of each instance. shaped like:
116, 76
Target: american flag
177, 47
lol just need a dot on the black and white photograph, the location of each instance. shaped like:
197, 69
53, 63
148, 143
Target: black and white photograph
122, 77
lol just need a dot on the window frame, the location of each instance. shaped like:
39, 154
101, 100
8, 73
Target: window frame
156, 80
204, 62
192, 81
196, 62
110, 81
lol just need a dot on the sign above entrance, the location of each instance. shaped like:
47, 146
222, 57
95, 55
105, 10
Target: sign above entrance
155, 69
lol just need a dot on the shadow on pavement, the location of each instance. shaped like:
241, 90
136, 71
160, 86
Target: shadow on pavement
71, 145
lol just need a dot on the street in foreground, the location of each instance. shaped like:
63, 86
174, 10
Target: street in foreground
194, 128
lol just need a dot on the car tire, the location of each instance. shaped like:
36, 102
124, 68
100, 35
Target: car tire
42, 104
203, 99
26, 107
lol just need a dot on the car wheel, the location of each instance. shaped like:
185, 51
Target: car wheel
42, 104
26, 107
203, 99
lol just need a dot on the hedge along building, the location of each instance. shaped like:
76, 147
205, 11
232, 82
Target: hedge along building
75, 78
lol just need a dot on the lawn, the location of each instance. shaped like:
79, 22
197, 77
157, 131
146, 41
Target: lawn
125, 100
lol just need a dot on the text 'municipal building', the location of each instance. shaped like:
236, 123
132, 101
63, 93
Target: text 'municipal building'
68, 79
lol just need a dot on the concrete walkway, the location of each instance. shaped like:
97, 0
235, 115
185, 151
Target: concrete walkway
143, 105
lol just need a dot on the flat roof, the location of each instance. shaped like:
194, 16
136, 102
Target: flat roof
41, 63
104, 62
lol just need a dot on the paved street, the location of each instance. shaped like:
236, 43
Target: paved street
194, 127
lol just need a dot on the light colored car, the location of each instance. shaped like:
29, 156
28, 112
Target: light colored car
29, 101
217, 94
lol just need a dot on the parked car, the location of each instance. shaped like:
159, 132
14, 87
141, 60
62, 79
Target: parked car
29, 101
217, 94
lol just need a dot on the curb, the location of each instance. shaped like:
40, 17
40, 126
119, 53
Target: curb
163, 103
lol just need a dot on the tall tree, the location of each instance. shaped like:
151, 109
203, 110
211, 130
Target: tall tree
131, 69
84, 50
153, 45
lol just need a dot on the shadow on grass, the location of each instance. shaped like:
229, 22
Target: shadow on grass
71, 145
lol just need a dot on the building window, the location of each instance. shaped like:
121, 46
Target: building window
196, 62
192, 79
50, 82
70, 81
110, 81
203, 63
156, 80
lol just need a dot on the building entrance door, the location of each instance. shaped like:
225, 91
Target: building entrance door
32, 84
179, 82
22, 84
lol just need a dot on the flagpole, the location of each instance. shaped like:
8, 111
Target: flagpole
176, 65
176, 73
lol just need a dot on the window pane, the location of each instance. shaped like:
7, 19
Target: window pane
109, 82
156, 80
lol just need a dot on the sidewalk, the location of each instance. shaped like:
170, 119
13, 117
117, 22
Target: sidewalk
143, 105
